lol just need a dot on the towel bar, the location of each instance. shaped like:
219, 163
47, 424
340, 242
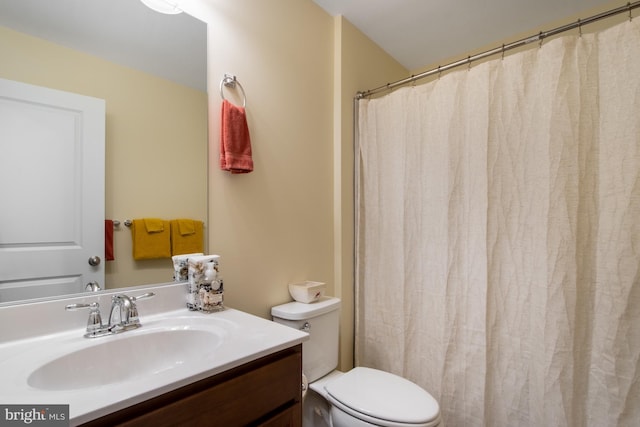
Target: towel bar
127, 223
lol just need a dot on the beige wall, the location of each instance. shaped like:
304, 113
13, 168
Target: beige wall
292, 218
272, 226
156, 134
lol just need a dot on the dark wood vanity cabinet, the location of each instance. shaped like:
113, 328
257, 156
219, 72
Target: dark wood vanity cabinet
265, 392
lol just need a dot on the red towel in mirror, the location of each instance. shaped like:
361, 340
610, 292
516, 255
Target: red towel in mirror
235, 142
108, 240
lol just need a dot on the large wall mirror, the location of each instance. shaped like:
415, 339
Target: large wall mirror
150, 69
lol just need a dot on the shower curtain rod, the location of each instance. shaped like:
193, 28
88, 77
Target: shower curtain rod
501, 49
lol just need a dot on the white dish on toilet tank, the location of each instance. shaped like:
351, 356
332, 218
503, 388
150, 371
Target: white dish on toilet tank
307, 292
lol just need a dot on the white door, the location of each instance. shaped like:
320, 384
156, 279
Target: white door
51, 191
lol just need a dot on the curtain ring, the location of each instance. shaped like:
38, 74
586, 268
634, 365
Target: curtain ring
502, 51
469, 63
629, 8
439, 72
413, 80
540, 38
579, 27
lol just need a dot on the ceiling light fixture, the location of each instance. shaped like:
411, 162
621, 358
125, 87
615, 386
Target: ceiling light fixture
163, 6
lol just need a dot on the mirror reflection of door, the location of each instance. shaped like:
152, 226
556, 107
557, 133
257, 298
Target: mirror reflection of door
52, 146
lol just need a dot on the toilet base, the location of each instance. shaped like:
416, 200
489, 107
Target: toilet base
342, 419
315, 406
339, 418
315, 411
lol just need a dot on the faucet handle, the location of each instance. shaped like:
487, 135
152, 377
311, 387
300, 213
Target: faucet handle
143, 296
74, 307
133, 310
95, 328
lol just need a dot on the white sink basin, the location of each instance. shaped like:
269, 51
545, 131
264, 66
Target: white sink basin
125, 358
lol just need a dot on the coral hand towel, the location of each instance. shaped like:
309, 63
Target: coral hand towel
235, 142
151, 238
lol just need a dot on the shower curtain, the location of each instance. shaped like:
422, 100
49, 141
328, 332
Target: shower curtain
498, 235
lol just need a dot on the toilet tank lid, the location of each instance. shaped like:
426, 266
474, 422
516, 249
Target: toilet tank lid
300, 311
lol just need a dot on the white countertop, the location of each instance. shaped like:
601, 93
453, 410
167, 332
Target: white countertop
239, 338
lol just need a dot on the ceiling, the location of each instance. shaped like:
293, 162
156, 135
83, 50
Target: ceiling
417, 33
122, 31
420, 33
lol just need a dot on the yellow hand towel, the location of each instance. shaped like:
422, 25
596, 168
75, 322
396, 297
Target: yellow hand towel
186, 236
186, 226
154, 225
151, 238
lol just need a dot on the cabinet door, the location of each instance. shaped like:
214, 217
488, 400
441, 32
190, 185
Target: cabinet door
266, 392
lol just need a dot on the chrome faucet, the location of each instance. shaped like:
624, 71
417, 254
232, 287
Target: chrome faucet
92, 287
123, 315
124, 312
119, 318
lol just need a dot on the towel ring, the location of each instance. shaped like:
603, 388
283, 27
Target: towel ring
230, 81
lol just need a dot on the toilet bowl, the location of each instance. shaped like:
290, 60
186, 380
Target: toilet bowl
357, 398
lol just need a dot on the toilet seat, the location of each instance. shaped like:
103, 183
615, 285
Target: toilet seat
383, 399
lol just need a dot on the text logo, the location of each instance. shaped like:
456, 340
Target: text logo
34, 415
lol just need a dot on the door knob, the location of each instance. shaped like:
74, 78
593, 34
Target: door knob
94, 260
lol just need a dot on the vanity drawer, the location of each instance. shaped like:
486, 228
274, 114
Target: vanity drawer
286, 418
266, 392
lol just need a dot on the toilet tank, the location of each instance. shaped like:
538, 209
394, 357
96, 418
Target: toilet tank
321, 320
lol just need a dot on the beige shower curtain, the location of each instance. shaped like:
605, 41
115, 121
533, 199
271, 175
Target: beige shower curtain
498, 246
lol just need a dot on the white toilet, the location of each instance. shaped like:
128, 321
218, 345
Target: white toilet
360, 397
